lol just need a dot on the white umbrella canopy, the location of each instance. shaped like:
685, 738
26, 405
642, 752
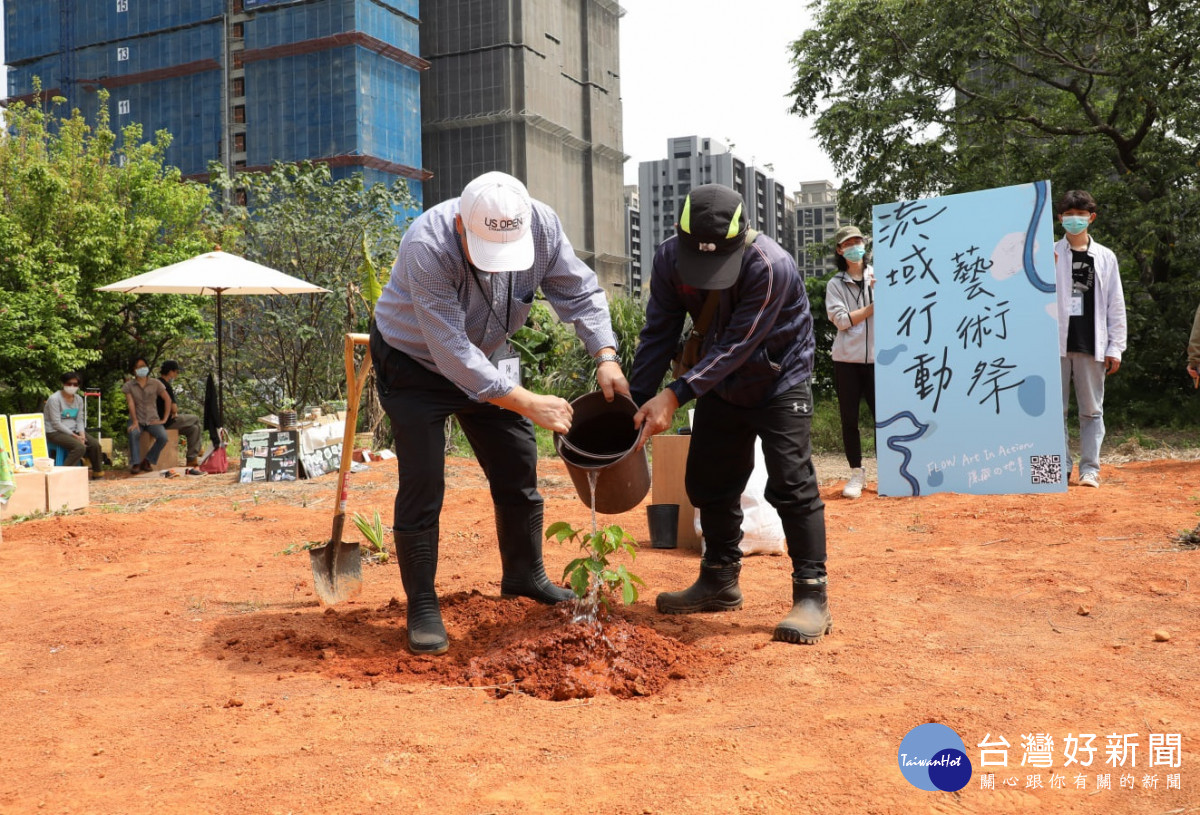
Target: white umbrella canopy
214, 273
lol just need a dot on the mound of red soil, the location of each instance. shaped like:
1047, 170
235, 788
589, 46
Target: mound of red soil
551, 657
501, 645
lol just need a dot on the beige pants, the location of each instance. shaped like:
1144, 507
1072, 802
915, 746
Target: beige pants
188, 426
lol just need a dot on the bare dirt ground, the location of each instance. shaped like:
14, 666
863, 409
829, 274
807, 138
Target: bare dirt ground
159, 654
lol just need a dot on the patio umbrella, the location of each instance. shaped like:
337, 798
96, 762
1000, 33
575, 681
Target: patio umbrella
214, 273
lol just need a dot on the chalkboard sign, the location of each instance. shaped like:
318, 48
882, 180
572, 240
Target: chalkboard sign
269, 455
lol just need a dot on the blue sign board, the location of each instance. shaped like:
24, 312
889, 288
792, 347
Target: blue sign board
967, 376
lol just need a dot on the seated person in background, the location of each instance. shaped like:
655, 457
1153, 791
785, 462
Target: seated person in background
66, 424
187, 424
141, 396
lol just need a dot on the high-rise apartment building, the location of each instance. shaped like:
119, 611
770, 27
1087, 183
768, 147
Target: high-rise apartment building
532, 88
816, 221
789, 241
695, 160
243, 82
633, 241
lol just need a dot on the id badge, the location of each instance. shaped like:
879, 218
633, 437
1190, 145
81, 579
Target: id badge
1077, 305
508, 362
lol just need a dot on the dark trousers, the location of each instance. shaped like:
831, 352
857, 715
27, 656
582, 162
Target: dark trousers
76, 449
854, 381
418, 402
721, 458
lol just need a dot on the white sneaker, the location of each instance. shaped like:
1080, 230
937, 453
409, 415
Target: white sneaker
854, 486
1089, 480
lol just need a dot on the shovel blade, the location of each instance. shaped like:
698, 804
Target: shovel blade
337, 572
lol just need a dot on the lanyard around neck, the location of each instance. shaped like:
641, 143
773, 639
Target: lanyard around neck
862, 289
486, 297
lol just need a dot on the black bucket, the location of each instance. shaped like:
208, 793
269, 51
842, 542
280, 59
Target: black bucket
601, 440
663, 520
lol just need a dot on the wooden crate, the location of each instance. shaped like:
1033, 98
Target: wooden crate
667, 487
67, 488
30, 495
169, 457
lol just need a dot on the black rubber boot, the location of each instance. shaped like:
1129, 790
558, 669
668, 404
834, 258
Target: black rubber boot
715, 590
809, 619
417, 553
519, 532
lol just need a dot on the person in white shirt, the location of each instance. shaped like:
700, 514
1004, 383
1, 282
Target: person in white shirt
1091, 326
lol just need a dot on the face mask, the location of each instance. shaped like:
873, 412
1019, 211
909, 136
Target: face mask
855, 253
1075, 224
71, 390
142, 372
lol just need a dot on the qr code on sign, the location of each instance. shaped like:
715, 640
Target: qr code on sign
1045, 469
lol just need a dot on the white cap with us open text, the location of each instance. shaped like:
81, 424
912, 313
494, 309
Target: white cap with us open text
496, 212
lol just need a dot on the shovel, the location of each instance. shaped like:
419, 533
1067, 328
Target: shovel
337, 566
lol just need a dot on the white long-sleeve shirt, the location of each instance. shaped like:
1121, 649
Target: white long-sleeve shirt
1111, 330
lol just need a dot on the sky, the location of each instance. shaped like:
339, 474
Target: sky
672, 52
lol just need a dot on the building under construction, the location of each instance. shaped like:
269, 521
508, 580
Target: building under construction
243, 82
532, 88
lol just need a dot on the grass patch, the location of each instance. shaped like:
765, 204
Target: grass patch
826, 432
1188, 540
33, 516
249, 606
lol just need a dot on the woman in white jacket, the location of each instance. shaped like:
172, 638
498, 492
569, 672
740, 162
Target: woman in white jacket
850, 304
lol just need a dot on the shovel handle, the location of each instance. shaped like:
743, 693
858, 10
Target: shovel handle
354, 386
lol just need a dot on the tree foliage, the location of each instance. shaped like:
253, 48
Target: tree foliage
554, 360
914, 98
824, 332
83, 207
338, 234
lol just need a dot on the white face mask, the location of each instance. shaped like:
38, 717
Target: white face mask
142, 372
70, 390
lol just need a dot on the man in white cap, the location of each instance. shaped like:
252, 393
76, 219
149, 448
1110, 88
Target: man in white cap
462, 284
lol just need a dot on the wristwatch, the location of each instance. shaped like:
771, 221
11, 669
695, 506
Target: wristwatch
607, 358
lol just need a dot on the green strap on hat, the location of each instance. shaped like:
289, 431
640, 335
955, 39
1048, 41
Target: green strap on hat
733, 223
685, 219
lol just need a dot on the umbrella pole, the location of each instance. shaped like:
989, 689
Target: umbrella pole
220, 368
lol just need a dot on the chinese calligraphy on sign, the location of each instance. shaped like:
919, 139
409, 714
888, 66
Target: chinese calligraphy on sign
966, 359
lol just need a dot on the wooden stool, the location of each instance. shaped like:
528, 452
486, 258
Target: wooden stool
169, 457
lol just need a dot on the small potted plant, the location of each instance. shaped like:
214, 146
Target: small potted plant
287, 413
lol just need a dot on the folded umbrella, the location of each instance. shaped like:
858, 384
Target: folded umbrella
213, 420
